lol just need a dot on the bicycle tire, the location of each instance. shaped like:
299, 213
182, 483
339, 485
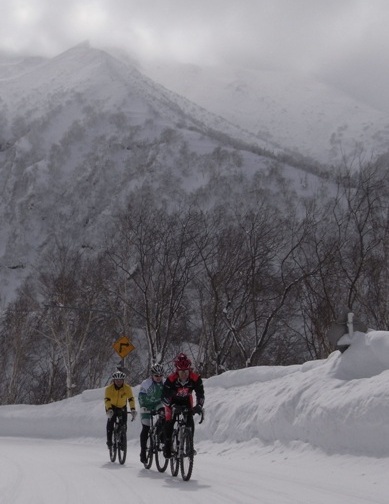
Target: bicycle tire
160, 461
113, 452
114, 448
149, 450
187, 455
174, 460
122, 446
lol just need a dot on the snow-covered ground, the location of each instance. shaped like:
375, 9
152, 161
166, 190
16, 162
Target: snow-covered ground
315, 433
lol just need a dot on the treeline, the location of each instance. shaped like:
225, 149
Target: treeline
254, 281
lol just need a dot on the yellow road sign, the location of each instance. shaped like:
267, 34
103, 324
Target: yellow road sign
123, 346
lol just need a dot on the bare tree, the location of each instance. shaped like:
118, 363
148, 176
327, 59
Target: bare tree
253, 261
219, 249
17, 355
70, 289
350, 246
154, 254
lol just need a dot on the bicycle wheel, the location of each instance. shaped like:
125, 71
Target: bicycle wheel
175, 461
122, 446
160, 461
186, 460
114, 448
113, 451
149, 450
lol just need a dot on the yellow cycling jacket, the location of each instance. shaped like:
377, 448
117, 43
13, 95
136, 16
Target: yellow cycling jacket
119, 396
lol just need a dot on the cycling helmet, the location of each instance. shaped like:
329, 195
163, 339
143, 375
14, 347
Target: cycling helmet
118, 375
182, 362
157, 369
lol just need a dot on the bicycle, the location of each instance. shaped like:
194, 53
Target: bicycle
154, 446
119, 440
182, 443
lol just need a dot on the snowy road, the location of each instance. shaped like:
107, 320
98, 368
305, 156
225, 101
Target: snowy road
44, 471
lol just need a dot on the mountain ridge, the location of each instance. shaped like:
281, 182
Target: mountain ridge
82, 132
86, 129
299, 112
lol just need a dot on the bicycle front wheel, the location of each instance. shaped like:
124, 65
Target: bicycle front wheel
122, 447
175, 461
160, 461
113, 452
187, 455
149, 450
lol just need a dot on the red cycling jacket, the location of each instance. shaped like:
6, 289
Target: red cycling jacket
175, 392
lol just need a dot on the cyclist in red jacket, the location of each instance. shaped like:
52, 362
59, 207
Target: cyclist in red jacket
178, 390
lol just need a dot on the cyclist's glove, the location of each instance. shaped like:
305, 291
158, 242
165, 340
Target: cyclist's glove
110, 413
197, 409
133, 414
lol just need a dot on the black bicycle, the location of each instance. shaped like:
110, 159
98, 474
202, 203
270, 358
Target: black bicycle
154, 446
119, 440
182, 443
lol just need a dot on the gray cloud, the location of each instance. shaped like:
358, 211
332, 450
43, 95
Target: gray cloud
343, 41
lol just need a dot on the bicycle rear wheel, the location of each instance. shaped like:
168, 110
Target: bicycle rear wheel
149, 450
187, 455
122, 446
174, 461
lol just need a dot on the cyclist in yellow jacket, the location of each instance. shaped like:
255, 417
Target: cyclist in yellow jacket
116, 396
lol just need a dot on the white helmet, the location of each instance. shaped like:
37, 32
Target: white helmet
118, 375
157, 369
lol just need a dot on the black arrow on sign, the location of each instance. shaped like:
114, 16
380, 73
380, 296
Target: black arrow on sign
123, 345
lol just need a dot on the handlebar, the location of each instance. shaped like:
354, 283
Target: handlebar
177, 409
117, 417
152, 412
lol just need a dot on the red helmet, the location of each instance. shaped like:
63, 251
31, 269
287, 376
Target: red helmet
182, 362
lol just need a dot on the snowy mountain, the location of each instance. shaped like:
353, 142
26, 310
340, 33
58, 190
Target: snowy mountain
80, 131
298, 112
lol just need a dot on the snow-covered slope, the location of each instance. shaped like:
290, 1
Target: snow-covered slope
298, 112
339, 405
80, 131
312, 433
36, 86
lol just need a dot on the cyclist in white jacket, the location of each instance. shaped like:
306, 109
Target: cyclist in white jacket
150, 400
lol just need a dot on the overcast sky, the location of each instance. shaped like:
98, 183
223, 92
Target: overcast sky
347, 41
